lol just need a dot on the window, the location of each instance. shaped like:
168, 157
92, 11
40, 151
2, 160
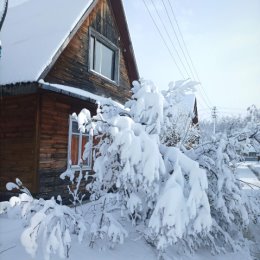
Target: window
103, 56
76, 147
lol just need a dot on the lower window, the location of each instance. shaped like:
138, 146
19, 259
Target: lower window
79, 147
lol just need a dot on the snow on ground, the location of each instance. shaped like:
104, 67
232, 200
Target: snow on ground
135, 246
247, 173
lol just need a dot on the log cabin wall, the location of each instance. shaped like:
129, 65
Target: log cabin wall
53, 140
72, 67
18, 153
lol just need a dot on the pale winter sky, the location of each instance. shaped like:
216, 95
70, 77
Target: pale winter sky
223, 39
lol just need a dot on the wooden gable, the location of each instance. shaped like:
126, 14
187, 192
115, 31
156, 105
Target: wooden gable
72, 66
34, 141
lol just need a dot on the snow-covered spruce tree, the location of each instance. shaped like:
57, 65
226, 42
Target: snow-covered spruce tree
131, 164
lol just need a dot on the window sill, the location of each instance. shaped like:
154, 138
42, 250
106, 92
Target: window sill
115, 83
77, 167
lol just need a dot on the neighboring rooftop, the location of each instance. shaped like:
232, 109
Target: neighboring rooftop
188, 102
32, 33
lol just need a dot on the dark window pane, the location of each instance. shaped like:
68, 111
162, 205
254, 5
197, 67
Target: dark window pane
107, 68
104, 61
75, 128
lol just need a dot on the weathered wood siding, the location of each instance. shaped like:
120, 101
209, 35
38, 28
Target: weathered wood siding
53, 140
34, 140
18, 117
72, 68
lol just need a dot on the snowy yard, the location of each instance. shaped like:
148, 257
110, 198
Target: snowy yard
151, 197
147, 180
134, 247
249, 174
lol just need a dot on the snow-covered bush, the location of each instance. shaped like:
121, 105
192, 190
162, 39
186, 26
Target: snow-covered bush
146, 106
125, 163
52, 227
188, 198
76, 177
178, 129
229, 211
18, 185
188, 213
48, 225
244, 131
142, 174
105, 226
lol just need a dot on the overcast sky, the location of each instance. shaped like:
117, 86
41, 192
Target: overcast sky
223, 39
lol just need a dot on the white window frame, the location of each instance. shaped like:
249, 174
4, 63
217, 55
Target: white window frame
80, 147
102, 39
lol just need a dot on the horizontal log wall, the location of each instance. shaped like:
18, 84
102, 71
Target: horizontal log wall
72, 68
18, 140
53, 140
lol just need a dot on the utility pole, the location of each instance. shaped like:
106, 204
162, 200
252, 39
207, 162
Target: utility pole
214, 117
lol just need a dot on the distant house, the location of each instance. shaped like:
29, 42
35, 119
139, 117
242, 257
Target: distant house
59, 57
250, 153
189, 103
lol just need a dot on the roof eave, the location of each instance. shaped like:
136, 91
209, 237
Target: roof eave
120, 17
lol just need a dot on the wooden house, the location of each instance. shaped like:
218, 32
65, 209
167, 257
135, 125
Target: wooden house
188, 104
58, 56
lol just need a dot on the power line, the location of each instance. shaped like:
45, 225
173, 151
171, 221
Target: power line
167, 33
185, 46
176, 36
163, 40
204, 92
204, 100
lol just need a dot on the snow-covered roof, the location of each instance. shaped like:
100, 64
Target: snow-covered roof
33, 32
187, 102
251, 149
